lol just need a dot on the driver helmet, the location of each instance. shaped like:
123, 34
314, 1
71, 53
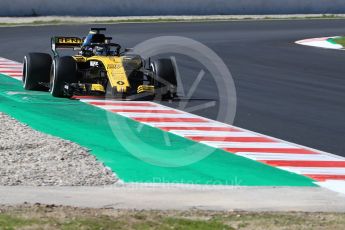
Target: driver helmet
88, 48
94, 39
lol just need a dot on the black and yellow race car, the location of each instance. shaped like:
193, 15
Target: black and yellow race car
99, 68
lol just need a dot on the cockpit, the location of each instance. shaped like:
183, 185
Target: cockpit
98, 44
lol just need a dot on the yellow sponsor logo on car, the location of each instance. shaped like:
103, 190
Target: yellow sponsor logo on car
114, 66
69, 40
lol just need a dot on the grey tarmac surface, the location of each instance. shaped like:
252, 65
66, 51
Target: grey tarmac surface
288, 91
174, 197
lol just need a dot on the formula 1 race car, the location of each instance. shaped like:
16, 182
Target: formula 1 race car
100, 68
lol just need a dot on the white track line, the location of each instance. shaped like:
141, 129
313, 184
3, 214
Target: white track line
156, 115
191, 133
183, 124
145, 108
288, 156
222, 144
315, 170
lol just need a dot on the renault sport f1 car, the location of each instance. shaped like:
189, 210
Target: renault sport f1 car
99, 68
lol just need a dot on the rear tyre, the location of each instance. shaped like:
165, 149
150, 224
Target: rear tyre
63, 71
164, 79
36, 71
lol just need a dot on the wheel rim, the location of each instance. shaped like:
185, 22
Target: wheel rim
25, 71
52, 81
153, 69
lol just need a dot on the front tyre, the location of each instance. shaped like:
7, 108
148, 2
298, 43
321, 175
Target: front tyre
36, 71
165, 81
63, 71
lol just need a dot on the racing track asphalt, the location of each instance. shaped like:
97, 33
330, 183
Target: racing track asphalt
288, 91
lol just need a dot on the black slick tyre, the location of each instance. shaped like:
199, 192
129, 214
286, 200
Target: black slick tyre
164, 79
36, 71
63, 71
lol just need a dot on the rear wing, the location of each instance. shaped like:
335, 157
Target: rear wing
65, 43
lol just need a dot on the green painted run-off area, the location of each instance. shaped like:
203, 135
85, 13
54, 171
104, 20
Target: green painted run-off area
337, 40
91, 127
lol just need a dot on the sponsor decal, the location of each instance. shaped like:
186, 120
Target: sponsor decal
114, 66
68, 40
93, 63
